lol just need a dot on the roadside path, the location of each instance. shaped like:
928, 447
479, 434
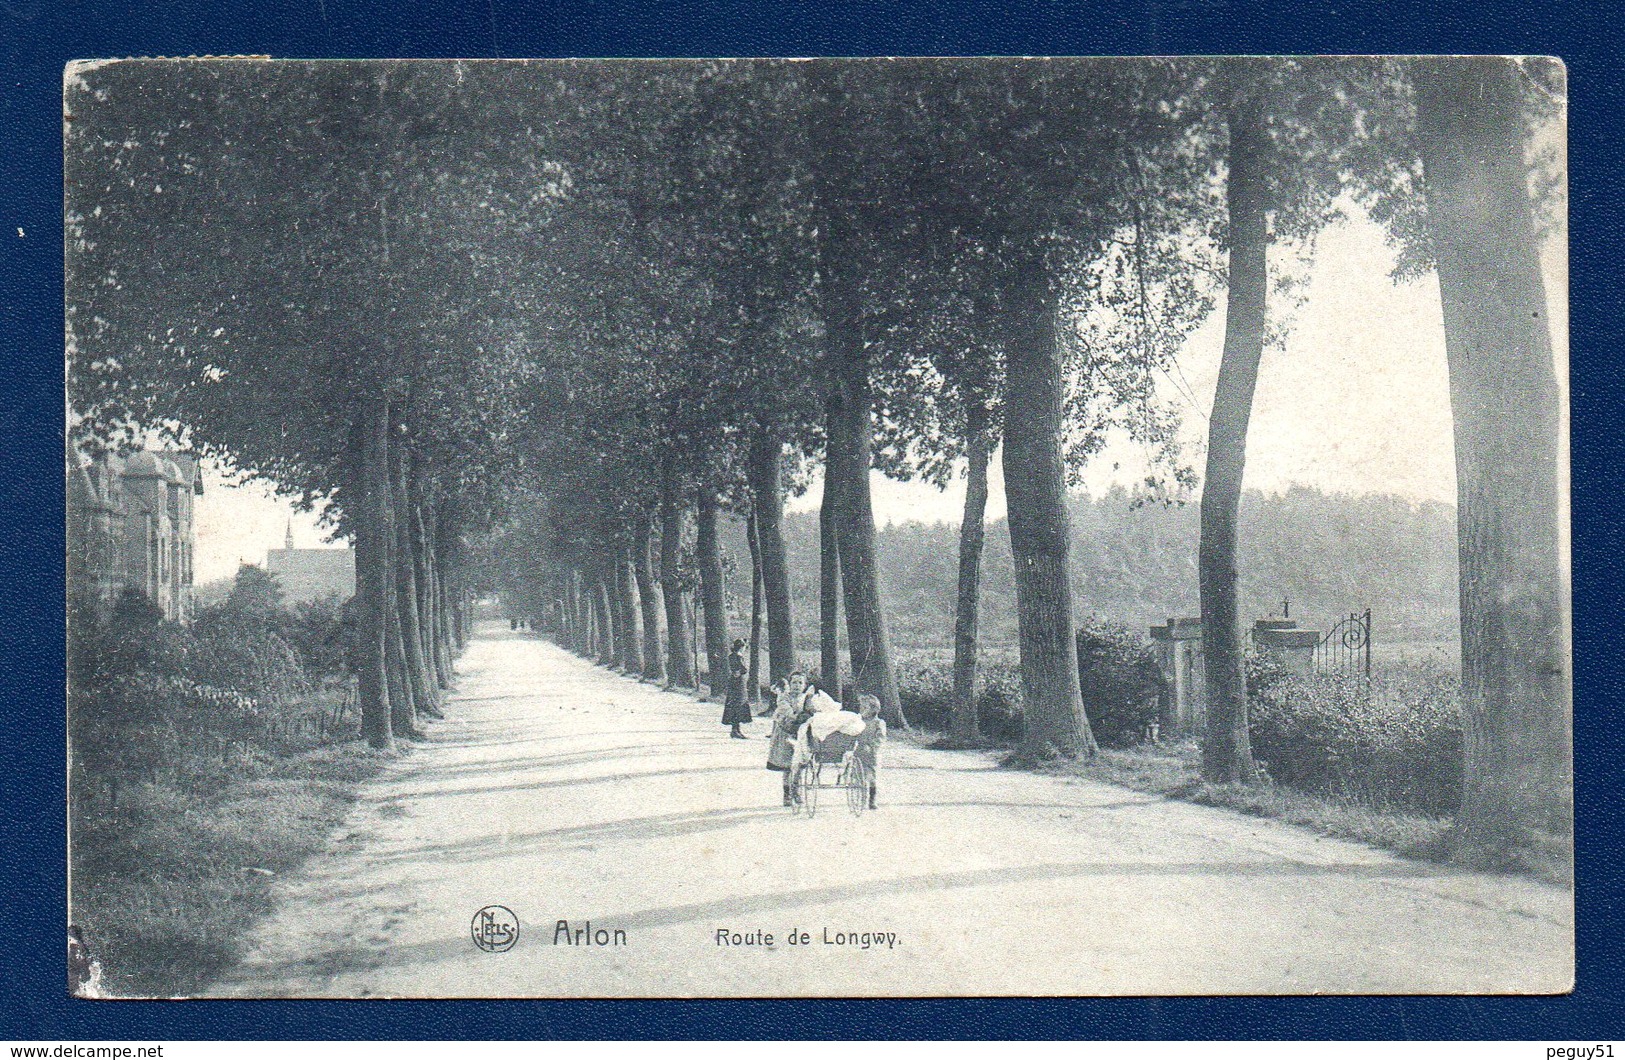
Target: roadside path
564, 792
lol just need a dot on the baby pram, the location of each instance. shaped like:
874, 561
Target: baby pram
832, 762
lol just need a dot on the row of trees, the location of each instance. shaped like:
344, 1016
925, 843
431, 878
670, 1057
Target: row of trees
578, 311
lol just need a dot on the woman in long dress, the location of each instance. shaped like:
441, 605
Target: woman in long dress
736, 711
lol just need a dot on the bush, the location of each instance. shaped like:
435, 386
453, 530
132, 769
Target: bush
1119, 678
243, 644
151, 701
1117, 671
1395, 741
925, 684
320, 632
249, 659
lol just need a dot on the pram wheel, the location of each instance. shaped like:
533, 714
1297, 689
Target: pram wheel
807, 788
804, 790
855, 779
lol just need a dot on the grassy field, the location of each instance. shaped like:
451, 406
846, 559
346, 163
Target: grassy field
167, 884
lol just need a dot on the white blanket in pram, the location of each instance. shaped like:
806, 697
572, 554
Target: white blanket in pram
825, 722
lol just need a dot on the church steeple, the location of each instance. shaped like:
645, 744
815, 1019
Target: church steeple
287, 541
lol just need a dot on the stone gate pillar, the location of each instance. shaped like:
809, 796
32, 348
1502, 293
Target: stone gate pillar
1183, 699
1294, 648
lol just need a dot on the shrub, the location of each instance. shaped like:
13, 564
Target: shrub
247, 658
1394, 741
925, 684
1117, 671
241, 644
135, 639
1119, 678
320, 632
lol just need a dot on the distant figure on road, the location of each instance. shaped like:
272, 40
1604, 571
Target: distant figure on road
789, 711
736, 712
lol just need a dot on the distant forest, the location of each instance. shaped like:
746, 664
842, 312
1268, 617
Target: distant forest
1327, 553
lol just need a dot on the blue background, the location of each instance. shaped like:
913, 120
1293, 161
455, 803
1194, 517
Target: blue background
38, 36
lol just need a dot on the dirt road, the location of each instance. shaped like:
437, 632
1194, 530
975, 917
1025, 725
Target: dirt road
568, 794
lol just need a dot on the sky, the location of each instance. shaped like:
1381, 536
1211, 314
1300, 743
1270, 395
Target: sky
1356, 400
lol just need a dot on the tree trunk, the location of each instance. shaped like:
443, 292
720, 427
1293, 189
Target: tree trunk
582, 609
1506, 409
626, 591
617, 610
1040, 538
829, 586
767, 500
840, 263
402, 708
402, 701
422, 564
604, 618
967, 607
448, 544
568, 629
424, 693
1227, 755
372, 575
679, 634
445, 586
694, 623
654, 664
590, 614
427, 613
613, 614
437, 601
711, 594
848, 462
753, 678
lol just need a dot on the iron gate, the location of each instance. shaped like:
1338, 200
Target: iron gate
1346, 647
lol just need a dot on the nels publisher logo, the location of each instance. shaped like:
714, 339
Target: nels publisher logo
495, 929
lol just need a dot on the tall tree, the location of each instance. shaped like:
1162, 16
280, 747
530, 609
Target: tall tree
829, 584
654, 663
679, 634
843, 229
1226, 748
712, 597
1472, 118
372, 576
1040, 537
767, 507
753, 670
967, 597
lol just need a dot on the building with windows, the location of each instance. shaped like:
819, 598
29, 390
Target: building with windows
130, 525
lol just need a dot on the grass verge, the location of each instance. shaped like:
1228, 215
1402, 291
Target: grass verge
167, 885
1175, 770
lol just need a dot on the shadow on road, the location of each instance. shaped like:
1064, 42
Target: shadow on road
622, 778
864, 890
733, 908
640, 829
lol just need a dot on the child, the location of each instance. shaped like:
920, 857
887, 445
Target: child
869, 741
790, 701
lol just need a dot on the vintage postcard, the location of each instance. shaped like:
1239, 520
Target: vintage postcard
818, 528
